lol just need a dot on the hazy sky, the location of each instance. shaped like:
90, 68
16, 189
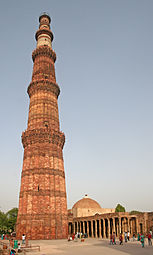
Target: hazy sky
104, 68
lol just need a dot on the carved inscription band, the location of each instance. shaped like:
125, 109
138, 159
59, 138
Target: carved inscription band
50, 193
43, 136
44, 171
44, 85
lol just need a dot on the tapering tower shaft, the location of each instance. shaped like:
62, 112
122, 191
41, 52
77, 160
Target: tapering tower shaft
42, 202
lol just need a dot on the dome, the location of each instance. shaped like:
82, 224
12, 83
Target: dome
86, 202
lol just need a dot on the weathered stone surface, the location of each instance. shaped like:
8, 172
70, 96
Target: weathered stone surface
42, 201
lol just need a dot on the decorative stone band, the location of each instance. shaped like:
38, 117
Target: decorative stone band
43, 136
42, 151
44, 31
43, 171
41, 101
45, 51
51, 193
39, 216
43, 85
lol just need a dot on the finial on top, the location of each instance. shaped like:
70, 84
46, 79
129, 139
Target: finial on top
44, 14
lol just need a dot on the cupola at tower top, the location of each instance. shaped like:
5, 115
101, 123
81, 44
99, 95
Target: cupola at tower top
44, 35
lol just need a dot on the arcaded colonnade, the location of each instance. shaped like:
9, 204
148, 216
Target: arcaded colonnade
101, 226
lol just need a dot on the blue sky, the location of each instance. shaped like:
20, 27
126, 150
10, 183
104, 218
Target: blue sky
104, 68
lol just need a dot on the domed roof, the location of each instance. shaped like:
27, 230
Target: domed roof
86, 202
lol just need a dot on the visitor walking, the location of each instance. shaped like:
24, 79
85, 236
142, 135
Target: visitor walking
121, 238
133, 236
142, 240
114, 241
138, 237
111, 239
128, 236
125, 236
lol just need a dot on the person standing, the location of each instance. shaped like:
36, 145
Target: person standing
111, 239
128, 236
149, 239
138, 239
121, 239
114, 241
125, 236
23, 239
142, 240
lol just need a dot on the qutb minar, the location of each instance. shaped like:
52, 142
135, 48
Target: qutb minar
42, 202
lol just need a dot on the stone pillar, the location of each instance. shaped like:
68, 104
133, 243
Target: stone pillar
114, 229
137, 226
73, 227
100, 235
145, 222
131, 226
104, 229
128, 224
88, 228
108, 228
120, 227
83, 226
95, 228
117, 229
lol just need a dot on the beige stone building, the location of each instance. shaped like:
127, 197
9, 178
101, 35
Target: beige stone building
87, 216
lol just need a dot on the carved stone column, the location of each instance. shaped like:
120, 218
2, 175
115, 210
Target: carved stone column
83, 226
120, 227
95, 228
114, 229
104, 229
100, 235
108, 227
88, 228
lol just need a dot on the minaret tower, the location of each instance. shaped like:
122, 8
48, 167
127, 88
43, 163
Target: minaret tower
42, 203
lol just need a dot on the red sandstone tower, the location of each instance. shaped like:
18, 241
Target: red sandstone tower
42, 202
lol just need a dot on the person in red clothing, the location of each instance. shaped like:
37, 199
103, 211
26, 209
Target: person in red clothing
149, 239
121, 239
73, 236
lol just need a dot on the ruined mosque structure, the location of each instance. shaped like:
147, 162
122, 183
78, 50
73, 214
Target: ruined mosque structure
43, 210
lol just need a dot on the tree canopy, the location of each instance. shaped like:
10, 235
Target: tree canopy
135, 212
8, 220
119, 208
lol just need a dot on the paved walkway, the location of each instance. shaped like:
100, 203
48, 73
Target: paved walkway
89, 247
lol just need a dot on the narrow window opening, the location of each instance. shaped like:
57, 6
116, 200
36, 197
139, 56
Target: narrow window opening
38, 187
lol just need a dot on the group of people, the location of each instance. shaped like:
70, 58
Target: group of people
76, 236
140, 237
16, 245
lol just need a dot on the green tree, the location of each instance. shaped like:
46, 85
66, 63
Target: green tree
119, 208
134, 212
3, 223
11, 216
